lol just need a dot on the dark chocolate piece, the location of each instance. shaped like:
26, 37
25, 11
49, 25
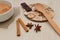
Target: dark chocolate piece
26, 7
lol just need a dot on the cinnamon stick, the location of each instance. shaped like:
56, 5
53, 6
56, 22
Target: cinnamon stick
18, 28
23, 25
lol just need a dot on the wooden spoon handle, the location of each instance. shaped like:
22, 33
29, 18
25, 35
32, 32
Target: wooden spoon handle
52, 23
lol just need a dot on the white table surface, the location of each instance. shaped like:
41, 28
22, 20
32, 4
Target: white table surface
8, 29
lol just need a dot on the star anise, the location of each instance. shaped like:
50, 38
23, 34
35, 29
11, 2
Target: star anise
30, 25
37, 28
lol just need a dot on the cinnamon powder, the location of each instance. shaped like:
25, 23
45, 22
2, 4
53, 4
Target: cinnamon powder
4, 8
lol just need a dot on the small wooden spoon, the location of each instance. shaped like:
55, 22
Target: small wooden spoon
40, 8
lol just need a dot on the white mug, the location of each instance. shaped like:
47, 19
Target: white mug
6, 15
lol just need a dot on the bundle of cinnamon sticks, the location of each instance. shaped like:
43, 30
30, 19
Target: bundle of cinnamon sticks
19, 21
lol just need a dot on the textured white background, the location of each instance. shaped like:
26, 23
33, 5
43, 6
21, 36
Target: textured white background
8, 29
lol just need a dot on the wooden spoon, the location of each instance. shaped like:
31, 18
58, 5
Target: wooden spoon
41, 8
